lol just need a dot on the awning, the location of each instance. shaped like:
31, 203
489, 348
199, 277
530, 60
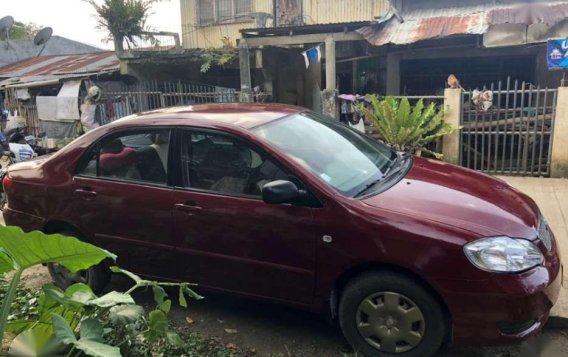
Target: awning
500, 25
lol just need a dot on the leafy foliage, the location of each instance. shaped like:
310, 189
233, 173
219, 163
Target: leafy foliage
23, 31
123, 19
218, 56
25, 313
107, 325
19, 251
404, 127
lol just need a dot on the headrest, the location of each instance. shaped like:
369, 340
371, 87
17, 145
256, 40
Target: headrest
111, 161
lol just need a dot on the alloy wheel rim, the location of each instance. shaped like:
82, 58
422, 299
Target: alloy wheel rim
390, 322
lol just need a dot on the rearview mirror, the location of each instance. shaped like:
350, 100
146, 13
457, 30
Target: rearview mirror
281, 191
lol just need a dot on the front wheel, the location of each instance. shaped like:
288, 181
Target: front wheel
97, 277
384, 314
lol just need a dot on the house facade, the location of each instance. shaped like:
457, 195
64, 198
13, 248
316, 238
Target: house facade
394, 47
208, 23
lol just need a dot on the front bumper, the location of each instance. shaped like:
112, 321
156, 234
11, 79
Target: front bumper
506, 308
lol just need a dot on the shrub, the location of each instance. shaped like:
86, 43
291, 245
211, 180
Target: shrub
405, 127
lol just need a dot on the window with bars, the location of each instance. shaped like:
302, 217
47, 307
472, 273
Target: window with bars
223, 11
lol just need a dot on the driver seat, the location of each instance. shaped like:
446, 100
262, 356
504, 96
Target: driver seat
222, 170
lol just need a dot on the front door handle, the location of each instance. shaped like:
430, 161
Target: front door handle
189, 209
85, 193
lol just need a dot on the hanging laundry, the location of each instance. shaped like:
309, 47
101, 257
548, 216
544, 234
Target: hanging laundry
312, 55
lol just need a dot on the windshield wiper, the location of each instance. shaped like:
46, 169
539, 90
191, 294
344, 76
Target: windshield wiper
393, 167
368, 186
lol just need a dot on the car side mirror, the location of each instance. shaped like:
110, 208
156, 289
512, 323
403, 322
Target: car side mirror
281, 191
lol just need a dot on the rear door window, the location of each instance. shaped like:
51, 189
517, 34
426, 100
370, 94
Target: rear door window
140, 156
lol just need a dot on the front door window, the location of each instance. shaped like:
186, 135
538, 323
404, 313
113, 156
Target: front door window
225, 164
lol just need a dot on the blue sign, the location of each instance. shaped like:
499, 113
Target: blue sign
557, 53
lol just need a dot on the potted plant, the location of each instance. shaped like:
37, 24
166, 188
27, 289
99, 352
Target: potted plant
405, 127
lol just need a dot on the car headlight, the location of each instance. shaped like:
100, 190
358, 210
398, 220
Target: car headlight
503, 254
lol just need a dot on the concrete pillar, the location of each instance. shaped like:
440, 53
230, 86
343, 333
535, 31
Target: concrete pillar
329, 95
330, 63
559, 157
329, 103
244, 63
312, 87
452, 115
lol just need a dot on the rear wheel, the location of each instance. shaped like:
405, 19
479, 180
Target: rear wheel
97, 277
384, 314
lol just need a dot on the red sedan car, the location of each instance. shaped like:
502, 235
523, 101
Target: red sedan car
278, 203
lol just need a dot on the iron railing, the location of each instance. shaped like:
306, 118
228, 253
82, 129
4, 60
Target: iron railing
513, 136
130, 99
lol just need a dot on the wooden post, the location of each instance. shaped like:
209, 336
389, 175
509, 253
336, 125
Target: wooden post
355, 77
452, 115
244, 63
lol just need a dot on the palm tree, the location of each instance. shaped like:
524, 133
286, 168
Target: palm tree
123, 19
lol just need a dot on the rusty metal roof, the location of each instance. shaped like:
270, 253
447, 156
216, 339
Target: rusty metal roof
474, 19
305, 29
62, 65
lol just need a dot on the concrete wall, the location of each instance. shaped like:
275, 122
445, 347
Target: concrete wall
314, 12
559, 159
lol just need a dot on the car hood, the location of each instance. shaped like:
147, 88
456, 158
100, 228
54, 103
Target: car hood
466, 199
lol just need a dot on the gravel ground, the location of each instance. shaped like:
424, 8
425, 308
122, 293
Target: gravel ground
275, 331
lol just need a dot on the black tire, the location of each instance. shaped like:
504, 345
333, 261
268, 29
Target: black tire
375, 287
97, 277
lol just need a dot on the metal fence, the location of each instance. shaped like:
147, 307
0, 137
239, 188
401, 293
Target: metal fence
427, 99
514, 135
130, 99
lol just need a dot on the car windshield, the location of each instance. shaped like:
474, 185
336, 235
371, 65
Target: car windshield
342, 157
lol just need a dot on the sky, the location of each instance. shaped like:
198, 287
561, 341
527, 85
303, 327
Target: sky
75, 19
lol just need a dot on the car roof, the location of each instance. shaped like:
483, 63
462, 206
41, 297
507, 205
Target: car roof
244, 115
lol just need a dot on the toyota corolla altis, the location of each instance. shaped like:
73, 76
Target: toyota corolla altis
277, 203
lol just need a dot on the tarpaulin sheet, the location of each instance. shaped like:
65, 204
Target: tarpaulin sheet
46, 107
68, 101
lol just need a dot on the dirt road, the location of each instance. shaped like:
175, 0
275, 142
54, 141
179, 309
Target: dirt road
275, 331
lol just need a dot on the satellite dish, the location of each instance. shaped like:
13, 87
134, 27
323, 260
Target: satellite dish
6, 24
42, 37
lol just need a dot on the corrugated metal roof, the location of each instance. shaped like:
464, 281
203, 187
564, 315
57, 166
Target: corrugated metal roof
434, 23
63, 65
308, 28
19, 50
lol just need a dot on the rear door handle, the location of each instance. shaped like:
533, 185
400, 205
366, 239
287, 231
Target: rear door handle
85, 193
188, 208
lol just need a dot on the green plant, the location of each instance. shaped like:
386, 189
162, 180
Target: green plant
25, 307
123, 19
404, 127
19, 251
218, 56
22, 31
76, 322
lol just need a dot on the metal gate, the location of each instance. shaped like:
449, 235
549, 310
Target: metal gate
514, 135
